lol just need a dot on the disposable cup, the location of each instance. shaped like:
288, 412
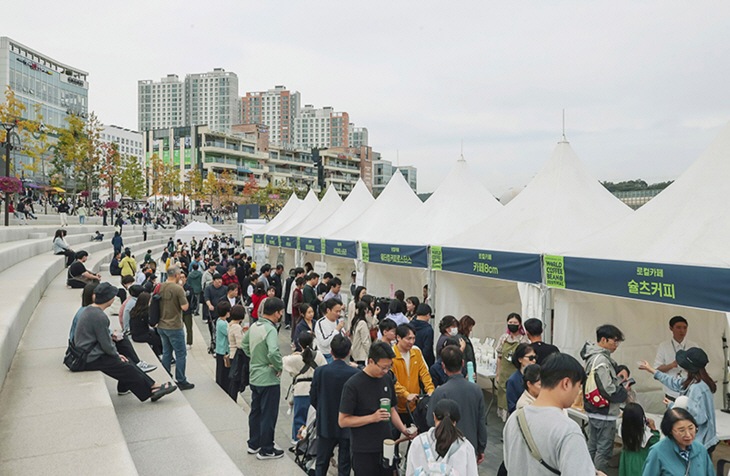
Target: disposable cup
389, 450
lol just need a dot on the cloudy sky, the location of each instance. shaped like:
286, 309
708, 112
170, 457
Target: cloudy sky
644, 84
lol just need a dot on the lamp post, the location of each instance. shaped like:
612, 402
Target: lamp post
8, 126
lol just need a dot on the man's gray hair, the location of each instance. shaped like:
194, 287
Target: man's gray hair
173, 271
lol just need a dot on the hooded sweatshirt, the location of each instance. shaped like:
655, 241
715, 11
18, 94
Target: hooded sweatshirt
460, 456
606, 380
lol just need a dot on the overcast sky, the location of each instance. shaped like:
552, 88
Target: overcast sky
644, 84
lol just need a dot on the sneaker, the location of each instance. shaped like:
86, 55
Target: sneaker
287, 326
185, 385
294, 442
145, 367
188, 346
253, 451
126, 392
273, 455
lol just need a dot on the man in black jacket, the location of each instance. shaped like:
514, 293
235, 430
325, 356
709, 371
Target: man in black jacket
325, 397
288, 290
275, 280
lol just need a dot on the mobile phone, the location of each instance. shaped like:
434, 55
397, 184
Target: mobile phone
630, 382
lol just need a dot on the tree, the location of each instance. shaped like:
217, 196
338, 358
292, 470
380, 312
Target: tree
109, 166
171, 184
131, 179
155, 172
35, 142
193, 186
13, 110
227, 188
250, 188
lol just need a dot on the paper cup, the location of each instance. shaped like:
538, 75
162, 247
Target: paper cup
389, 450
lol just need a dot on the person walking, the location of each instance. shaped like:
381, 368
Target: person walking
410, 371
171, 327
144, 231
63, 212
360, 333
325, 395
261, 345
467, 395
117, 243
328, 326
679, 453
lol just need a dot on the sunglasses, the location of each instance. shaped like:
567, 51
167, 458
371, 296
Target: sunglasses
531, 357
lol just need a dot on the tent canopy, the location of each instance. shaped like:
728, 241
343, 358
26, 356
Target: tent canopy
284, 214
196, 230
323, 211
309, 203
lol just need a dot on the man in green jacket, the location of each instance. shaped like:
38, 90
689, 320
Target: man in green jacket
261, 345
195, 281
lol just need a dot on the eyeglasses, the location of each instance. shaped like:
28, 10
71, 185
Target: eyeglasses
531, 357
386, 369
685, 431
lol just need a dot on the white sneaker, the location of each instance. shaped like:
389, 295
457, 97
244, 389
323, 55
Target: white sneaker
145, 367
188, 346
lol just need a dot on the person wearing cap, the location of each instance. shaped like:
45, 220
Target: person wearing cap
353, 284
424, 332
92, 332
698, 386
666, 355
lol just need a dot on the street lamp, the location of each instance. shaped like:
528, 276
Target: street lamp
8, 126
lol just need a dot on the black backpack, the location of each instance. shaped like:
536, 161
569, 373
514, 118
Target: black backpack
154, 309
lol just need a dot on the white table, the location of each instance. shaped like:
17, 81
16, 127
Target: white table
493, 378
722, 421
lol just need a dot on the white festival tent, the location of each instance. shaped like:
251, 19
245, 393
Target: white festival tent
561, 204
356, 203
286, 256
391, 210
197, 230
260, 249
686, 224
327, 207
459, 201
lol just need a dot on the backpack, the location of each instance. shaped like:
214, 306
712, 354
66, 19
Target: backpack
434, 468
154, 309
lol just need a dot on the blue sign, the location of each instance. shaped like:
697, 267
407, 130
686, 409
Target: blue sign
258, 239
272, 240
343, 249
693, 286
522, 267
313, 245
399, 255
288, 242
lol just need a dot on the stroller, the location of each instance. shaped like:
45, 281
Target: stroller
305, 451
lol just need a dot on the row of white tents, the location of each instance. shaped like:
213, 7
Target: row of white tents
564, 250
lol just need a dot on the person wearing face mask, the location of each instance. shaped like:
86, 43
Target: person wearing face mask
506, 347
448, 327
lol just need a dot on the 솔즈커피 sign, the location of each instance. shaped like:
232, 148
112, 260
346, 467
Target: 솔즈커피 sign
693, 286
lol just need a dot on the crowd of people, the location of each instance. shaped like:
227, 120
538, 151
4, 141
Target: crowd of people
371, 378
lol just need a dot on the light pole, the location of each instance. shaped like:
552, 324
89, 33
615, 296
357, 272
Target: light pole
8, 126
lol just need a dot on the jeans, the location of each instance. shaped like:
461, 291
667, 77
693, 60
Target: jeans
174, 339
325, 450
301, 406
600, 441
82, 219
262, 419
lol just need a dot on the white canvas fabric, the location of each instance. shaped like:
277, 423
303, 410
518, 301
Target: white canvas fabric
359, 200
284, 214
309, 203
196, 229
324, 209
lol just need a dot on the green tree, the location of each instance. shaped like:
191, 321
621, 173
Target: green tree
109, 166
131, 179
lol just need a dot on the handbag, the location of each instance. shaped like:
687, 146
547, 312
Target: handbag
154, 309
592, 393
75, 358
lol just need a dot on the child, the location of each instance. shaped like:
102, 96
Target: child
222, 362
638, 434
238, 374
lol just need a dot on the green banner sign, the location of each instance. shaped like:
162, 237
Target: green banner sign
554, 271
365, 252
437, 258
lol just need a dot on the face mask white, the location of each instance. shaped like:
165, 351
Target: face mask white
453, 331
